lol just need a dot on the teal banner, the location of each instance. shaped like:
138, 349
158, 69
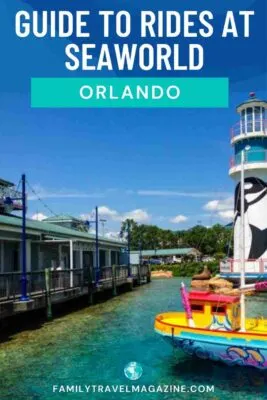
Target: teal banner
129, 92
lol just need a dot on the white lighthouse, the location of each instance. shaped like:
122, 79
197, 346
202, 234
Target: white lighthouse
249, 141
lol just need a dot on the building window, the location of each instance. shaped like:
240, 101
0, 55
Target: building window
258, 119
197, 307
102, 258
243, 121
16, 260
249, 119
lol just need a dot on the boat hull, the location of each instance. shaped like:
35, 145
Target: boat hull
231, 348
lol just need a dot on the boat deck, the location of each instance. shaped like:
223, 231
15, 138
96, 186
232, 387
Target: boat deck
178, 319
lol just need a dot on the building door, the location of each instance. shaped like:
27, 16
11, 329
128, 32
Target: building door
102, 258
88, 259
16, 263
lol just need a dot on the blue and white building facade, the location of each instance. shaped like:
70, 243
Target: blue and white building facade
250, 135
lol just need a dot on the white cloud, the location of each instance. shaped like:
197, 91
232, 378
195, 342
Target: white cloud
86, 217
37, 191
113, 235
168, 193
224, 209
178, 219
219, 205
227, 215
39, 216
105, 211
139, 215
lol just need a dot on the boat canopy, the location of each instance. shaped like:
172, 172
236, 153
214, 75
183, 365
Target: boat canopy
212, 297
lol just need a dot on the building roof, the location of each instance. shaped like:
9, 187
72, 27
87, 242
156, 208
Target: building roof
40, 227
5, 183
62, 218
212, 297
252, 99
166, 252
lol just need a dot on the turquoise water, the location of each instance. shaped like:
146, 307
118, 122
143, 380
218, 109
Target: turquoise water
93, 345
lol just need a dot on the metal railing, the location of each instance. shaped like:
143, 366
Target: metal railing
60, 280
121, 272
67, 279
134, 270
10, 282
251, 266
251, 156
143, 270
105, 273
249, 128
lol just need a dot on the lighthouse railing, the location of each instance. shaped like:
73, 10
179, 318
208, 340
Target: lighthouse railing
249, 128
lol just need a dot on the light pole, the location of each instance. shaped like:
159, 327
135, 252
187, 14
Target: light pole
97, 269
243, 238
24, 296
12, 197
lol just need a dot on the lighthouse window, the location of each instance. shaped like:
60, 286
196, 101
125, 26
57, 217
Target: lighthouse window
218, 309
243, 121
249, 119
258, 120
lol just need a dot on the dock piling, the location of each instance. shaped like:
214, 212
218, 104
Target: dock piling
139, 279
148, 277
90, 287
114, 288
48, 294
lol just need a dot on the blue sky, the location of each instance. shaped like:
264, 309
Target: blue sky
154, 165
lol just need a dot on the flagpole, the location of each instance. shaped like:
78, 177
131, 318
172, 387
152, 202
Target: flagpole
242, 266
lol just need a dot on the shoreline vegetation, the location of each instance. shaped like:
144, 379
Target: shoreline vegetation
215, 241
184, 269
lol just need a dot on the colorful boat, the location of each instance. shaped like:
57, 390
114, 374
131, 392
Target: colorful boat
216, 334
214, 326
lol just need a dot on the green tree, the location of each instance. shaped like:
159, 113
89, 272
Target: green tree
215, 240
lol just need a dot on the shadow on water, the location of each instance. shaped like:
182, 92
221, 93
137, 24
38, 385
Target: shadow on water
232, 378
35, 319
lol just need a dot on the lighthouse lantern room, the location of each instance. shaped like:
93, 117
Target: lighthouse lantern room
249, 137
